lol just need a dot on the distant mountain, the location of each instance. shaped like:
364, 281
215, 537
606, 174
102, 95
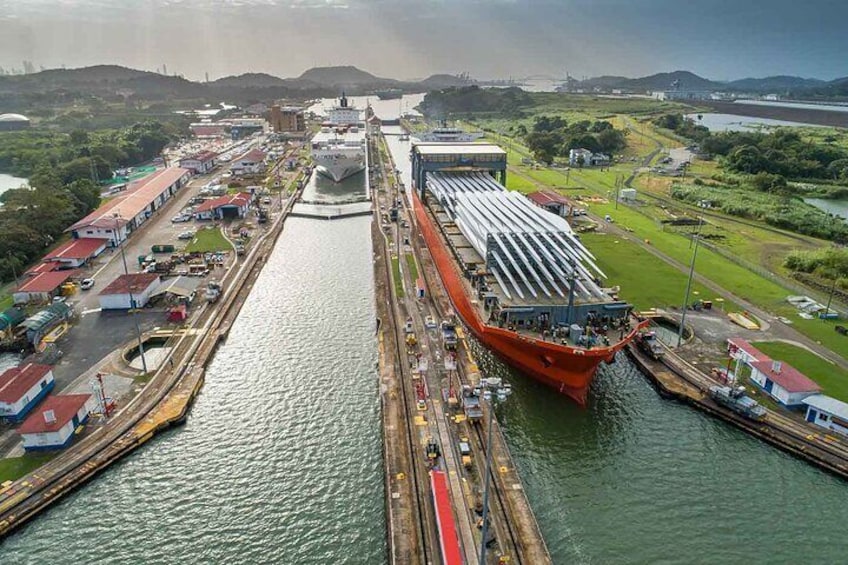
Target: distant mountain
248, 80
603, 82
346, 75
773, 84
442, 81
835, 89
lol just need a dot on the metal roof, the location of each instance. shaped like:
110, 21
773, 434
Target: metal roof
527, 249
179, 286
458, 149
828, 404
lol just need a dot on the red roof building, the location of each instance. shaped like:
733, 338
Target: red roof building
42, 286
128, 291
551, 201
21, 388
251, 163
224, 207
783, 382
77, 252
200, 163
739, 348
43, 267
53, 424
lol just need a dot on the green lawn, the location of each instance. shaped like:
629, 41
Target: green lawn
208, 240
833, 379
396, 276
413, 268
645, 281
14, 468
735, 278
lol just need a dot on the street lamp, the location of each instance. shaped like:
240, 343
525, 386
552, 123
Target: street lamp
495, 391
120, 243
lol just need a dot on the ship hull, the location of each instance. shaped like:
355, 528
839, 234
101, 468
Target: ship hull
339, 167
567, 369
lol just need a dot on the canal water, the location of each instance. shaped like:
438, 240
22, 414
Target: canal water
637, 479
835, 207
280, 460
8, 182
732, 122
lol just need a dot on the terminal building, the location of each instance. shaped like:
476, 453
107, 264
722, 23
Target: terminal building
122, 215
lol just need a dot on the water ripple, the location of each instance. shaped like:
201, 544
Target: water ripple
280, 460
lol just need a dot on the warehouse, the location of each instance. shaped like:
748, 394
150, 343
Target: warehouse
42, 287
122, 215
77, 252
22, 388
128, 291
54, 423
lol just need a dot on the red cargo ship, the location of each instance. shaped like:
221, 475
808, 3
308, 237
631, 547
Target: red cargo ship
543, 355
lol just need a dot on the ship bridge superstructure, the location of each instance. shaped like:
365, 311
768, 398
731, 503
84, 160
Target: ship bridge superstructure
533, 254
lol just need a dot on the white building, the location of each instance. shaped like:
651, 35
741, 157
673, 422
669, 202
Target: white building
584, 158
783, 382
121, 215
229, 207
22, 388
77, 252
251, 163
128, 291
200, 163
828, 413
55, 422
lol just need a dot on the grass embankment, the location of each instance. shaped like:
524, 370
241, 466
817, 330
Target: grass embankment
397, 278
650, 282
14, 468
208, 240
732, 277
833, 379
413, 267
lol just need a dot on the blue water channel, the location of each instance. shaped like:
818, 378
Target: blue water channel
280, 460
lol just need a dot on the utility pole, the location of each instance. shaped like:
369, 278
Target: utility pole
688, 288
829, 298
129, 289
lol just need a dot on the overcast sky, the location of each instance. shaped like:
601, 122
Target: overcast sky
718, 39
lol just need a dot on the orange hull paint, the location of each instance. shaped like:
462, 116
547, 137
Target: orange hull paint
569, 370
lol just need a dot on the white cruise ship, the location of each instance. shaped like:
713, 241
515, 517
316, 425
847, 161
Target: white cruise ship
339, 149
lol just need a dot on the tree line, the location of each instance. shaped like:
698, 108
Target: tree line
782, 152
63, 172
552, 136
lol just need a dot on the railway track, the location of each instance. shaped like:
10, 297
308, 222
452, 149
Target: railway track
420, 482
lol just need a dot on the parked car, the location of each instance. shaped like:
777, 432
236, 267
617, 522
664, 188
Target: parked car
86, 284
186, 235
180, 218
